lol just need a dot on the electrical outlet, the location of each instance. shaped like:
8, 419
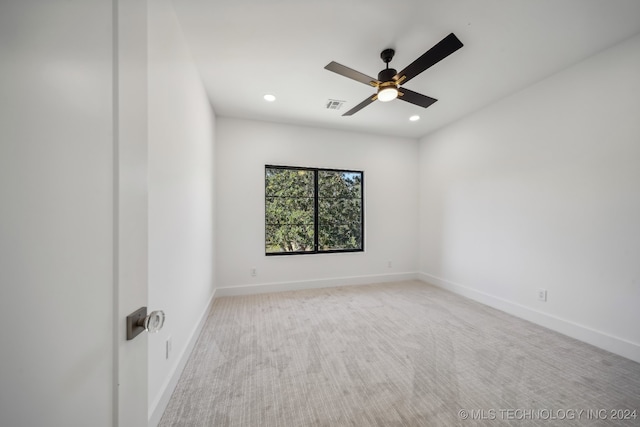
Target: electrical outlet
253, 271
542, 295
168, 348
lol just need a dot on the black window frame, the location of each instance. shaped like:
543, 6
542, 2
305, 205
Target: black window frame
316, 197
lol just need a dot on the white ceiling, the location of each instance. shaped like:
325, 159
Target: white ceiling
247, 48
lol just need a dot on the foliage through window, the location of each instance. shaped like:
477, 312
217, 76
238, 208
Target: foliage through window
311, 210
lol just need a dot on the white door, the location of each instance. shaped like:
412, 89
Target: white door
73, 220
72, 212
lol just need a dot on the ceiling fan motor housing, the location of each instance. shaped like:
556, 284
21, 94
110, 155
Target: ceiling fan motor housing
386, 75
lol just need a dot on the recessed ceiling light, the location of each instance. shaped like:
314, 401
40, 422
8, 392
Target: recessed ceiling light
269, 97
414, 118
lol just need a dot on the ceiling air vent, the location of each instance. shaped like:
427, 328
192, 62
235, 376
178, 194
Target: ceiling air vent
334, 104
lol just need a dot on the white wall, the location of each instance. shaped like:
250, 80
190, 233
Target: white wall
390, 172
56, 213
540, 190
181, 200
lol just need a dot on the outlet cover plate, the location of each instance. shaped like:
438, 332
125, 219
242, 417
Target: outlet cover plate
542, 295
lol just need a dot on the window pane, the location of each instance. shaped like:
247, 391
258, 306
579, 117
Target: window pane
339, 184
289, 210
280, 210
340, 236
339, 210
289, 238
289, 183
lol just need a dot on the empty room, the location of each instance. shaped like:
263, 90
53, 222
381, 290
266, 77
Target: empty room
338, 213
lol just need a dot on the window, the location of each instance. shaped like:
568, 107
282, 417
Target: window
310, 210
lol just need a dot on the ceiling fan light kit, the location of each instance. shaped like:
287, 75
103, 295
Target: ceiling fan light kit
389, 81
387, 93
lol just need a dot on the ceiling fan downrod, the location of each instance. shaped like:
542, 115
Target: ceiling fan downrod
387, 74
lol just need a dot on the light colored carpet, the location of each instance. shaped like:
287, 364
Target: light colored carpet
400, 354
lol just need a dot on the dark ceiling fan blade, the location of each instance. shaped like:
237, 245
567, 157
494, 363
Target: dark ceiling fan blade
350, 73
437, 53
416, 98
360, 106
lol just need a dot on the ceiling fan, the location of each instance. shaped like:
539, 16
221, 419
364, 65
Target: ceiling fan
389, 81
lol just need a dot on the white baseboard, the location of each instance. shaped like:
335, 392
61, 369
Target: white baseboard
312, 284
583, 333
158, 407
